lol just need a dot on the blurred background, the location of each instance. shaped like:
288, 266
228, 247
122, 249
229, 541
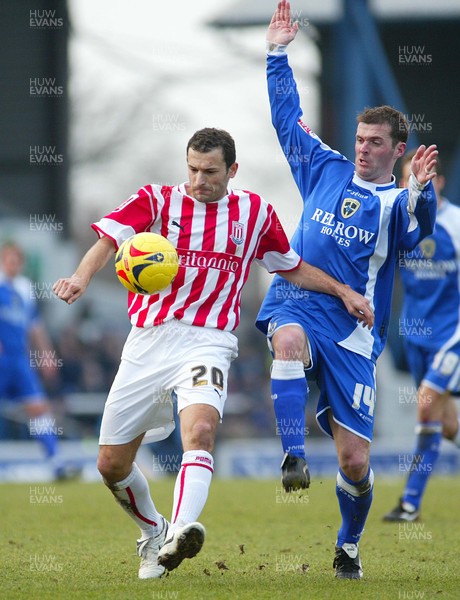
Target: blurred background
100, 98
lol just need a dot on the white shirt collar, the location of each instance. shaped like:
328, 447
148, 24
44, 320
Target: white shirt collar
374, 187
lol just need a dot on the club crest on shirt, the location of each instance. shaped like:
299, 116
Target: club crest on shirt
428, 248
237, 235
349, 207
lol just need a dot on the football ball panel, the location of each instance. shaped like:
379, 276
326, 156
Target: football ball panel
146, 263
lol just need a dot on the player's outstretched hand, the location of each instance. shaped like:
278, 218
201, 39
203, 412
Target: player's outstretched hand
70, 288
358, 306
281, 30
423, 164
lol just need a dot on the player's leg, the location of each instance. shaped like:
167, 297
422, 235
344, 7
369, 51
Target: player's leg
128, 484
186, 535
449, 364
198, 424
201, 388
289, 390
137, 403
430, 409
130, 489
450, 421
354, 489
346, 412
26, 389
436, 417
41, 425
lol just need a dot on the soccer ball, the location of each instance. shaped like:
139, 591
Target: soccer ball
146, 263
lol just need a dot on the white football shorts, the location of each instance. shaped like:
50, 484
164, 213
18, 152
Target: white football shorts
191, 361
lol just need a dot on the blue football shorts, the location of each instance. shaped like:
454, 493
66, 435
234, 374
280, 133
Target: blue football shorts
439, 369
346, 380
18, 381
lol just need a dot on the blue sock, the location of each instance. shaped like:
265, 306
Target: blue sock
49, 442
426, 454
42, 429
289, 395
355, 499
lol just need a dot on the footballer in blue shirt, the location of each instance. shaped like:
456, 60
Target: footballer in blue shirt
430, 325
26, 351
354, 222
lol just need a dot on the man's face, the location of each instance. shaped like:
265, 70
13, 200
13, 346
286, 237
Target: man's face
374, 153
11, 261
208, 175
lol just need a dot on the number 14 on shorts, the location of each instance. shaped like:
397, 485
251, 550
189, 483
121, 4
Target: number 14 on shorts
366, 395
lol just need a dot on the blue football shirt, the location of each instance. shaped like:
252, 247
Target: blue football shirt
350, 228
18, 312
430, 274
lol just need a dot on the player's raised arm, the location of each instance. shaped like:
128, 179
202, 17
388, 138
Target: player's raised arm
295, 137
71, 288
311, 278
281, 30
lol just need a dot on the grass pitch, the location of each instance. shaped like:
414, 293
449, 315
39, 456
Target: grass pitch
72, 541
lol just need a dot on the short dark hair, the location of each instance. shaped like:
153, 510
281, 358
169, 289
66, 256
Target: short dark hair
379, 115
209, 138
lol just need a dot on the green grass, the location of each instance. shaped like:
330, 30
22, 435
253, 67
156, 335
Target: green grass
261, 544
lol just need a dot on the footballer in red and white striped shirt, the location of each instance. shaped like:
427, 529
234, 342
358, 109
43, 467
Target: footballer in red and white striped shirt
181, 340
216, 243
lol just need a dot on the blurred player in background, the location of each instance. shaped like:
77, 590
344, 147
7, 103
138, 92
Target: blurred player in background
431, 279
181, 338
24, 348
354, 222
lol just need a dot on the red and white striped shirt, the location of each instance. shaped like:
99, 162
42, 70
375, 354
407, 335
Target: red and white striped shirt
216, 243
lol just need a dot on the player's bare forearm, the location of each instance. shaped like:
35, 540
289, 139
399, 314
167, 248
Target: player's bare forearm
281, 30
314, 279
71, 288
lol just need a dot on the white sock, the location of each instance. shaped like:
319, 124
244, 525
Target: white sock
133, 495
192, 486
287, 369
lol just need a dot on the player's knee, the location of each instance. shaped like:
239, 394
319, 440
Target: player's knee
200, 436
425, 412
289, 343
113, 468
449, 429
428, 405
36, 410
354, 464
